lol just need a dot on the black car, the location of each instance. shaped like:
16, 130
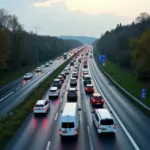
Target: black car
57, 83
71, 63
72, 94
87, 80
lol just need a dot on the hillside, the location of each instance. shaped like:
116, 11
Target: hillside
82, 39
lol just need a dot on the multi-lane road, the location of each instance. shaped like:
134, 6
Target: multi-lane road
15, 92
42, 132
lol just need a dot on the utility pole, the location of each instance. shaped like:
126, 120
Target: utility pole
37, 51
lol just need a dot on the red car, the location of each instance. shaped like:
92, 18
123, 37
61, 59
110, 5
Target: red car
96, 99
89, 88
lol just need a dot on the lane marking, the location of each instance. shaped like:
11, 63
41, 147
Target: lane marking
118, 119
6, 96
60, 100
48, 145
56, 116
90, 139
18, 88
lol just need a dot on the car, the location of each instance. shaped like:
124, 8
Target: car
75, 75
41, 107
103, 121
61, 78
38, 69
71, 63
47, 64
85, 73
51, 62
28, 76
85, 65
54, 92
69, 120
73, 81
97, 99
66, 71
89, 88
72, 93
75, 70
63, 74
77, 67
57, 58
87, 80
57, 83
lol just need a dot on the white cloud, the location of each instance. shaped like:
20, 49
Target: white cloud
47, 3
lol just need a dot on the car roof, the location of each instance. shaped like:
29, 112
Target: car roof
96, 94
53, 88
69, 109
89, 85
103, 113
57, 79
59, 76
72, 89
40, 102
75, 72
87, 76
73, 78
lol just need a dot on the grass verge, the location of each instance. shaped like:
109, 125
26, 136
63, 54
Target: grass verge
10, 124
128, 81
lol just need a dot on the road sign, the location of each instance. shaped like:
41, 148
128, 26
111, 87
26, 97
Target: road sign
143, 93
102, 58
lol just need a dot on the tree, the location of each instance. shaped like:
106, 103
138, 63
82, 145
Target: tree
141, 55
5, 49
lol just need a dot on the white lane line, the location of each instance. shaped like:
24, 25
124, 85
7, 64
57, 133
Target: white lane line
18, 88
56, 116
6, 96
48, 145
118, 119
60, 100
90, 139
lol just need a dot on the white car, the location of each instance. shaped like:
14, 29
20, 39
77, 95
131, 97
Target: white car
66, 70
28, 76
47, 64
73, 81
51, 62
54, 92
42, 106
103, 121
38, 69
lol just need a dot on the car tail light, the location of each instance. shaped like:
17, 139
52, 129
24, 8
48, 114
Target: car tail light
86, 89
60, 132
102, 101
49, 93
34, 108
76, 131
98, 126
93, 88
43, 108
114, 126
57, 92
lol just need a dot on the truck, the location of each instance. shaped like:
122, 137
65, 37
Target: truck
65, 55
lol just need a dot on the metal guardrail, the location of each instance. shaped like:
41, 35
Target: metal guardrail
121, 88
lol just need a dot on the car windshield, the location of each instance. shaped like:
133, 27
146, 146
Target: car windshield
87, 78
27, 74
39, 105
107, 122
53, 90
56, 82
67, 124
98, 97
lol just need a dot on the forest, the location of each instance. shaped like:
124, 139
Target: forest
129, 46
18, 48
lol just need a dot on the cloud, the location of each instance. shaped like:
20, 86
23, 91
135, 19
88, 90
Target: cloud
47, 3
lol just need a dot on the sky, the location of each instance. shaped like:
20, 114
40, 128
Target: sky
75, 17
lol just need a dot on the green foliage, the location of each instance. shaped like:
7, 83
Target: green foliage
115, 44
141, 55
18, 47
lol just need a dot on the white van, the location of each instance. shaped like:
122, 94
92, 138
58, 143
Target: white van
69, 120
103, 121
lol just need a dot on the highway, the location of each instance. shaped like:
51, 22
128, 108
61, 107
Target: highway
42, 132
15, 92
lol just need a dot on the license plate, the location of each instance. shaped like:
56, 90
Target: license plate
64, 132
103, 129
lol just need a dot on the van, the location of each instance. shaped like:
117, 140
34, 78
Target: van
103, 121
69, 120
